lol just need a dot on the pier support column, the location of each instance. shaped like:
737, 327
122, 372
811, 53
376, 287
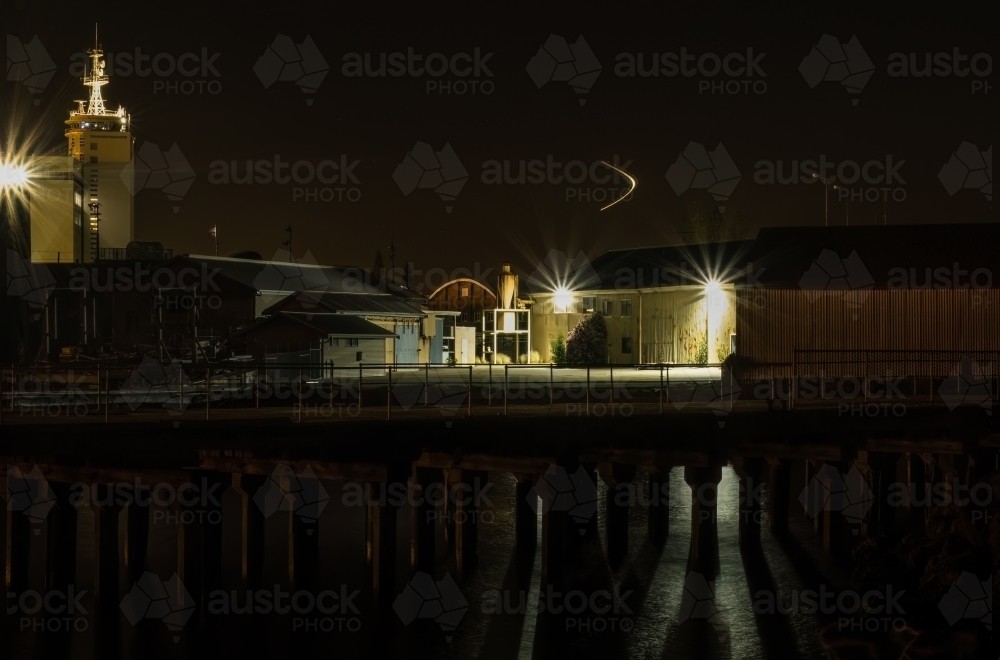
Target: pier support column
659, 504
778, 485
18, 549
429, 491
618, 479
249, 528
751, 491
382, 536
106, 566
61, 540
704, 483
136, 536
466, 485
526, 505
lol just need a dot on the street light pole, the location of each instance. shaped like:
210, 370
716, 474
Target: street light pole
826, 196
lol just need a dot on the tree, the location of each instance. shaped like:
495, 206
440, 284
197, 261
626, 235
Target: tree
558, 349
587, 343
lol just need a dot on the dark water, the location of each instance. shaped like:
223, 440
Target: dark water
500, 589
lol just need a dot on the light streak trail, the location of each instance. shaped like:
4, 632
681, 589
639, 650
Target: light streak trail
625, 174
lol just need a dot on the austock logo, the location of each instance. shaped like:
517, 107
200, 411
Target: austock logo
425, 598
154, 169
471, 70
152, 382
29, 64
969, 598
559, 61
29, 495
831, 273
558, 490
197, 69
438, 391
152, 598
718, 395
968, 169
284, 61
303, 276
968, 384
831, 61
705, 67
424, 168
943, 65
699, 169
31, 282
335, 176
302, 494
560, 271
830, 490
698, 603
556, 172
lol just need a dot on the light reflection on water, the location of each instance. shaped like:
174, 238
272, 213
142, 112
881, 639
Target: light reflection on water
655, 576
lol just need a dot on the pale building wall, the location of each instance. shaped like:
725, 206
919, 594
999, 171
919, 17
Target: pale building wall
673, 323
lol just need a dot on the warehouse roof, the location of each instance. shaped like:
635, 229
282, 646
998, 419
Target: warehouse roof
876, 256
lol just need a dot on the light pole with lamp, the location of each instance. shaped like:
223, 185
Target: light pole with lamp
826, 195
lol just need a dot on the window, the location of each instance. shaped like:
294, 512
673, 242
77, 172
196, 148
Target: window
478, 316
352, 342
626, 308
606, 307
334, 342
627, 345
465, 291
465, 316
589, 304
93, 159
93, 146
361, 357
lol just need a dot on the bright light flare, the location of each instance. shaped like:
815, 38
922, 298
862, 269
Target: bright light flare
13, 176
563, 299
631, 179
712, 286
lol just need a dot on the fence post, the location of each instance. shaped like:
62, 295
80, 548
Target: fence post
795, 383
611, 375
866, 376
208, 394
1, 391
300, 395
388, 394
550, 387
470, 390
661, 389
427, 381
361, 383
489, 400
107, 392
180, 404
588, 391
331, 386
505, 389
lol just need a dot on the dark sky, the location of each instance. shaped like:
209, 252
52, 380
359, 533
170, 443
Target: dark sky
647, 121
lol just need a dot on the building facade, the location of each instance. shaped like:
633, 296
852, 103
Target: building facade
660, 305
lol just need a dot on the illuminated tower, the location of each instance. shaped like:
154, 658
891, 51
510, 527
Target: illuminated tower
101, 140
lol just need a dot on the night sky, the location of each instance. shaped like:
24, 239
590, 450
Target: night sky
645, 122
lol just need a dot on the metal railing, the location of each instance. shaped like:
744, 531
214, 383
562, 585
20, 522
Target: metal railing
895, 377
234, 389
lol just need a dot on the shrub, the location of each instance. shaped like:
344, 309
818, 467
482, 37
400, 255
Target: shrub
558, 348
701, 355
501, 358
587, 343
